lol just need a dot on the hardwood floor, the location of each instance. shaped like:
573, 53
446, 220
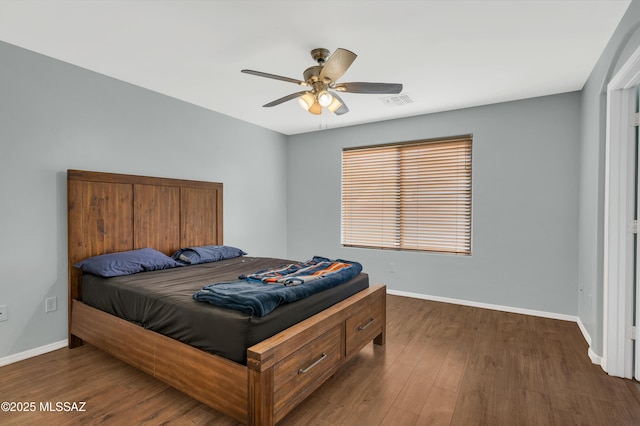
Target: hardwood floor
442, 365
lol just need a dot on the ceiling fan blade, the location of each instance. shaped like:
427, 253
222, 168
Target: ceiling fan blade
371, 88
275, 77
343, 108
337, 64
285, 99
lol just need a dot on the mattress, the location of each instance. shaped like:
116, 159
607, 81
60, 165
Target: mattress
162, 301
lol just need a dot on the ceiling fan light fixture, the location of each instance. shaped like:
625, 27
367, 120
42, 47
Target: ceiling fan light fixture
324, 98
334, 105
316, 108
306, 101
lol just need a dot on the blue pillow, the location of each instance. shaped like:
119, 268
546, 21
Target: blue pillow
126, 263
205, 254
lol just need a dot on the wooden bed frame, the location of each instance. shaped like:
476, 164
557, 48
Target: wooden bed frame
113, 212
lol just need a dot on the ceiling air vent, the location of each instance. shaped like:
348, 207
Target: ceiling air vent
397, 100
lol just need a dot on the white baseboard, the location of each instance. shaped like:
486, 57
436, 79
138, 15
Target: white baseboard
502, 308
596, 359
10, 359
584, 331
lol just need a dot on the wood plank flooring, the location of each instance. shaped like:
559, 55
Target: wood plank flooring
443, 364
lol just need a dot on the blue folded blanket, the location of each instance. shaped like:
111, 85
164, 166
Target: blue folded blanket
261, 292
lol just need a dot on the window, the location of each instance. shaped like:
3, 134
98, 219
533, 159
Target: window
408, 196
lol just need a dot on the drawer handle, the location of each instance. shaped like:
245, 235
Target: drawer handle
322, 357
362, 327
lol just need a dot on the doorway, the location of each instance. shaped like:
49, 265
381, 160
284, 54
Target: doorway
621, 353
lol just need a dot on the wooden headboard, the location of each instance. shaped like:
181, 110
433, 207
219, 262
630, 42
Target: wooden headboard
110, 212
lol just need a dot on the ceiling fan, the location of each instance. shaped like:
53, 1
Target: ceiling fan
321, 79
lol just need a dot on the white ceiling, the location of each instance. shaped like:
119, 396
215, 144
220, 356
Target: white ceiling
448, 54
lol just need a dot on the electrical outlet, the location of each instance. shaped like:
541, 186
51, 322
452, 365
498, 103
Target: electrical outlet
3, 313
50, 304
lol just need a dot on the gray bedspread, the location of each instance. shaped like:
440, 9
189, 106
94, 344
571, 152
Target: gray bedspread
162, 301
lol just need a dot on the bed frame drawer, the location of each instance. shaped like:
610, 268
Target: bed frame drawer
363, 326
307, 367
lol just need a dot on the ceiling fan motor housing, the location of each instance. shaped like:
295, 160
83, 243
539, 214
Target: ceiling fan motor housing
320, 55
312, 74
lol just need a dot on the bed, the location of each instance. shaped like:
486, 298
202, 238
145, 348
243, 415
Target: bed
110, 213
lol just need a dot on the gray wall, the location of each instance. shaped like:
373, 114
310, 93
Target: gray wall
525, 204
537, 206
54, 117
592, 165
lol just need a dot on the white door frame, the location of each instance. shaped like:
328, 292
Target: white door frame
617, 359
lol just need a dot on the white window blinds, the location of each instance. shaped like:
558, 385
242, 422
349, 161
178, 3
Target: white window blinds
408, 196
